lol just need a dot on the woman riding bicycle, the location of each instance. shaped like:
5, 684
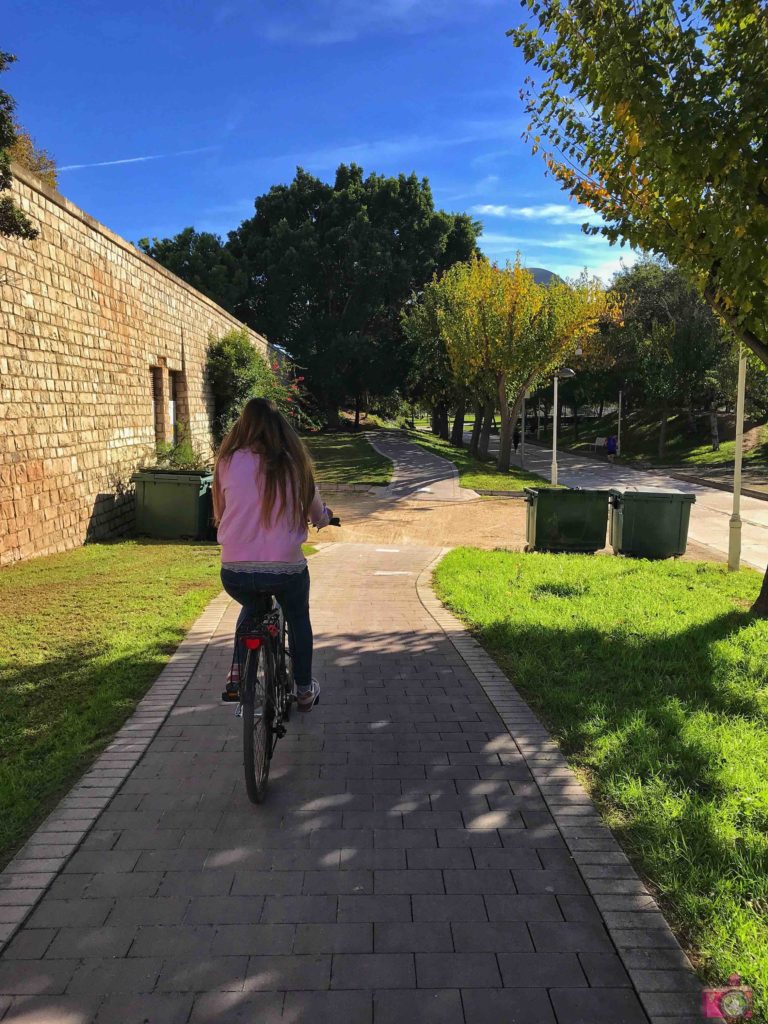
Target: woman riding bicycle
264, 494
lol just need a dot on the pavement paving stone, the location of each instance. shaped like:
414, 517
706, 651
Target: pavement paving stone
406, 864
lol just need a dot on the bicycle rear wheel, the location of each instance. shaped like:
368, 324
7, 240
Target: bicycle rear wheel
258, 718
286, 672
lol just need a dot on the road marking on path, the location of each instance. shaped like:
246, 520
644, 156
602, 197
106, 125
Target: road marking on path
388, 551
393, 572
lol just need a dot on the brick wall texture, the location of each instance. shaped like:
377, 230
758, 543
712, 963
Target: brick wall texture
96, 341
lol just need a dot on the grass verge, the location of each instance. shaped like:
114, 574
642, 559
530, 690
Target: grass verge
654, 679
474, 473
347, 458
82, 636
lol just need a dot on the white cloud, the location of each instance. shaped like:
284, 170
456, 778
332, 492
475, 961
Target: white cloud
566, 256
326, 22
368, 151
552, 213
136, 159
574, 242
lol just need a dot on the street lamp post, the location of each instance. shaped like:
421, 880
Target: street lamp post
563, 374
618, 435
522, 436
734, 535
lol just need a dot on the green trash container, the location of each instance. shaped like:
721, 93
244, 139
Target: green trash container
566, 520
173, 503
649, 523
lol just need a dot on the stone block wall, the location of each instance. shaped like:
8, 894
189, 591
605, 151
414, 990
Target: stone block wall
100, 349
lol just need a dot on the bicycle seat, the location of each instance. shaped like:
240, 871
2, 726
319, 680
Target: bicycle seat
261, 607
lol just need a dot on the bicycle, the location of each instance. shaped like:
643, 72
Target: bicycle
266, 690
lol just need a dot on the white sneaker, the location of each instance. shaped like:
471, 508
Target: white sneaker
306, 701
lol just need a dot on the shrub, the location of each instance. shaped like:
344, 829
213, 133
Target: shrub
181, 454
237, 372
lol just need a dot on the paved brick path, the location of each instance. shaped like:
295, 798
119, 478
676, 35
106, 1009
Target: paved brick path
417, 472
406, 866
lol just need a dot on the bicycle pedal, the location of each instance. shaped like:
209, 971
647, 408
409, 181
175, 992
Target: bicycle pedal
280, 731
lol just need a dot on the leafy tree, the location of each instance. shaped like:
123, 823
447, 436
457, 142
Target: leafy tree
431, 380
682, 356
330, 266
203, 261
13, 221
27, 153
500, 326
655, 112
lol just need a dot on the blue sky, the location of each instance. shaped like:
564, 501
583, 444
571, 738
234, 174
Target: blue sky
168, 113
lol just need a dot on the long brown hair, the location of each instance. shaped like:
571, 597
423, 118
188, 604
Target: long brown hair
287, 467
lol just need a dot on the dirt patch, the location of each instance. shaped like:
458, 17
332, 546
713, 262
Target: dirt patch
487, 523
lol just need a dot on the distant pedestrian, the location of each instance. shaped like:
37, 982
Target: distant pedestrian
516, 438
611, 446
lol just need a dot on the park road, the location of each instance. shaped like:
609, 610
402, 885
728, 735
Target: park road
710, 515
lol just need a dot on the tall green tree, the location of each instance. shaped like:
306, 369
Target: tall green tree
202, 260
13, 221
330, 267
682, 355
652, 114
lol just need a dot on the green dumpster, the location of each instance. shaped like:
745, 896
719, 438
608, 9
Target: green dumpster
173, 503
566, 520
649, 523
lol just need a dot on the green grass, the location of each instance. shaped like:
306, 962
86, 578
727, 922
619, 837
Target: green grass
347, 458
640, 441
82, 636
653, 676
474, 473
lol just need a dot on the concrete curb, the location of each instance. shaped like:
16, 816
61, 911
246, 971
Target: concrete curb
666, 983
703, 481
328, 488
26, 878
500, 494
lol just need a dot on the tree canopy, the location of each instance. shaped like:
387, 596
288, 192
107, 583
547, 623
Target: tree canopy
652, 114
13, 221
202, 260
330, 266
502, 331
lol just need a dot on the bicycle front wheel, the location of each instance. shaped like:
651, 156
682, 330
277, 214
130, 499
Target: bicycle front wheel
258, 714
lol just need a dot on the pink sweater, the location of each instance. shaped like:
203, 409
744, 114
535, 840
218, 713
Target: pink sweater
242, 536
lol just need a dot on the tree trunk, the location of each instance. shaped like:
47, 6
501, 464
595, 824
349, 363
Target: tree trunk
332, 415
457, 434
690, 420
575, 422
714, 429
760, 607
441, 420
505, 434
357, 412
602, 409
485, 433
663, 431
477, 426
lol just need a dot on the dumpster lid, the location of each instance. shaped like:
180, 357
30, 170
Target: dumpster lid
652, 493
182, 475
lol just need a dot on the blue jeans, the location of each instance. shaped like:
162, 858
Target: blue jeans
292, 593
